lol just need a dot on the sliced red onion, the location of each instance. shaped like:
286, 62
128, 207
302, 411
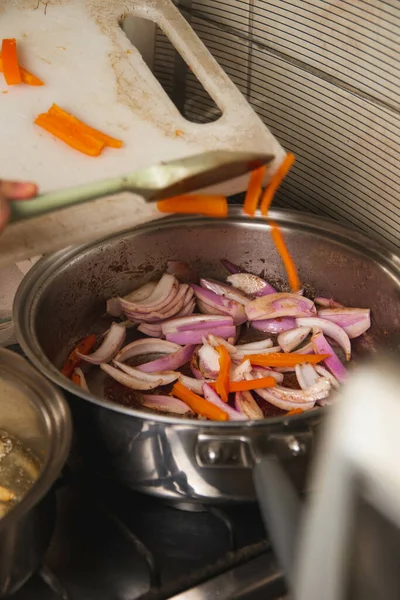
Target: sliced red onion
241, 353
169, 310
355, 321
331, 330
225, 290
182, 324
82, 379
187, 309
166, 404
274, 325
165, 377
171, 362
212, 396
151, 329
327, 302
196, 337
141, 293
194, 365
316, 392
332, 363
325, 373
208, 361
114, 307
230, 266
162, 295
280, 305
289, 340
258, 372
182, 271
260, 345
245, 404
281, 403
128, 380
109, 348
251, 284
209, 297
239, 371
140, 347
235, 310
196, 385
306, 349
215, 341
306, 375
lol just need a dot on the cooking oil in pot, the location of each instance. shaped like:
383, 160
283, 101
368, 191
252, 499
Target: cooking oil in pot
19, 469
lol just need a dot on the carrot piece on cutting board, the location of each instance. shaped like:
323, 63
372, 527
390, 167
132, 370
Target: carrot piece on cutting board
11, 70
75, 139
209, 206
198, 404
62, 115
73, 360
26, 76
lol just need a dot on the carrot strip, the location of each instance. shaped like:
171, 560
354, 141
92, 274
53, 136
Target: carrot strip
222, 383
290, 267
284, 360
198, 404
61, 114
84, 347
254, 384
26, 76
209, 206
77, 140
10, 61
275, 182
254, 190
76, 379
294, 411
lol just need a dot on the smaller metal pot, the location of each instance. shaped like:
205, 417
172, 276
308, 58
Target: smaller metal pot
35, 412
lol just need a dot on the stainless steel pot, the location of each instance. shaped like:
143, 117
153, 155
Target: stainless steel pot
63, 298
35, 412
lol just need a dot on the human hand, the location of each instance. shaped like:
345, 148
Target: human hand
13, 190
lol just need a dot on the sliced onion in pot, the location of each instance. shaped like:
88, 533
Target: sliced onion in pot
306, 349
151, 329
306, 375
196, 337
316, 392
111, 344
354, 321
245, 404
212, 396
196, 385
114, 307
182, 271
208, 361
230, 266
215, 341
146, 347
331, 330
235, 310
141, 293
171, 362
258, 372
322, 346
238, 371
274, 325
325, 373
169, 310
166, 404
209, 297
225, 290
189, 323
82, 379
163, 378
283, 404
128, 380
327, 302
280, 305
251, 284
242, 353
261, 345
161, 296
289, 340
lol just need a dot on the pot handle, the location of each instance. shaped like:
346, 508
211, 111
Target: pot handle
280, 507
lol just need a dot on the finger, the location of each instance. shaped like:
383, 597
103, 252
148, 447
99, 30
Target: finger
17, 190
4, 212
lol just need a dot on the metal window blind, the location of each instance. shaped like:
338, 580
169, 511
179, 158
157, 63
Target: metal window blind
324, 76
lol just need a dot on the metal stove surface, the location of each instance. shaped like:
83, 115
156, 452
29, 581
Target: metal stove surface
113, 544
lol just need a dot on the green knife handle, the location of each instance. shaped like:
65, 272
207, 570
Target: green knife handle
57, 200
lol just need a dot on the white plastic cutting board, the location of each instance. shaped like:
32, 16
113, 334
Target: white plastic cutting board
92, 70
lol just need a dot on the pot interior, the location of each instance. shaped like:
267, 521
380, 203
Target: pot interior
65, 295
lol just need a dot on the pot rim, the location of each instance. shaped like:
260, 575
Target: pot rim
49, 401
36, 277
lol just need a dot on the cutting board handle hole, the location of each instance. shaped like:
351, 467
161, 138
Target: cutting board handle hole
170, 69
